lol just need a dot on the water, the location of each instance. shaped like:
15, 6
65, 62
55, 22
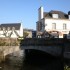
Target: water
35, 60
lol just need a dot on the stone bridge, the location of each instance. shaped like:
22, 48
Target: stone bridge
56, 47
6, 50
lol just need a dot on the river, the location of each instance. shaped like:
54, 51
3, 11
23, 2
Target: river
35, 60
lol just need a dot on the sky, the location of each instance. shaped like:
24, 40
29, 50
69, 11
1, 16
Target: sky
26, 11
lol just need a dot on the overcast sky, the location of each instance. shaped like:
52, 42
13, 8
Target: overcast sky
26, 11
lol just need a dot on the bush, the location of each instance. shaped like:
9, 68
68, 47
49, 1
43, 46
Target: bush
9, 42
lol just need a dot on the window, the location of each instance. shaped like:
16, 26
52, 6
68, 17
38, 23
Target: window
8, 28
53, 25
4, 28
0, 28
55, 15
13, 28
64, 26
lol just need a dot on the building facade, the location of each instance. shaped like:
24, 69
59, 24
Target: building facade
30, 33
11, 30
53, 22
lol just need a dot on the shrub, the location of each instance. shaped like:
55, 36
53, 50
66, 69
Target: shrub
9, 42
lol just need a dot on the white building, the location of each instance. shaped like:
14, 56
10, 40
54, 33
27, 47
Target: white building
11, 30
53, 21
30, 33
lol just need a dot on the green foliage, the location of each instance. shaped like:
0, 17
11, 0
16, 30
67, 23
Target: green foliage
25, 34
66, 67
9, 42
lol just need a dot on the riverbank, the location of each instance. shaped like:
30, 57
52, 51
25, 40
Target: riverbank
13, 61
35, 60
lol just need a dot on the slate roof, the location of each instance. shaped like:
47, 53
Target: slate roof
61, 14
10, 25
30, 30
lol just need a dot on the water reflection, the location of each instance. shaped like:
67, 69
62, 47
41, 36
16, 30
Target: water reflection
13, 62
35, 60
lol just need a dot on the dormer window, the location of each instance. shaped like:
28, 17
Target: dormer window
55, 15
69, 14
0, 28
4, 28
8, 28
13, 28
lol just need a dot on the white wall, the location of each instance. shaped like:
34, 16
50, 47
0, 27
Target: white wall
40, 13
1, 34
21, 31
59, 24
12, 36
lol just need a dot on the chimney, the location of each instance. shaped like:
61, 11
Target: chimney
69, 14
40, 13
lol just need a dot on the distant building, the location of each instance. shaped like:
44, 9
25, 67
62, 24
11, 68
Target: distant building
34, 34
31, 33
11, 30
53, 22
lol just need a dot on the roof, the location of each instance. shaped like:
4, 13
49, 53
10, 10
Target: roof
11, 25
61, 14
30, 30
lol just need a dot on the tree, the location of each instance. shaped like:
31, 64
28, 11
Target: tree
25, 34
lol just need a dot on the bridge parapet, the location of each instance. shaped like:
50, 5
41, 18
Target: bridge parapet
53, 46
42, 42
